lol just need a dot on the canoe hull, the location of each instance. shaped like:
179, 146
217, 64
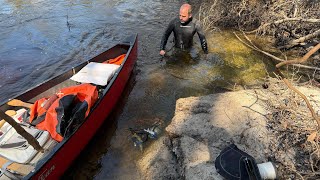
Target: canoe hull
67, 151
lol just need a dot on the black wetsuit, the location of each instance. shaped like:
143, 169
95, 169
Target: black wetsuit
183, 34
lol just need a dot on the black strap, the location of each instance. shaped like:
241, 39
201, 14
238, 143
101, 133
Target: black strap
39, 119
13, 145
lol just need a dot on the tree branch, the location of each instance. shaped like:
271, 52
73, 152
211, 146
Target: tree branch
305, 99
302, 39
272, 56
301, 60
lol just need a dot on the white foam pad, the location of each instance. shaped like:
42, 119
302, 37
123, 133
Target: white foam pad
96, 73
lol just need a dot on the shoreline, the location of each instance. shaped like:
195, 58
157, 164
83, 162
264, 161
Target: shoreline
251, 119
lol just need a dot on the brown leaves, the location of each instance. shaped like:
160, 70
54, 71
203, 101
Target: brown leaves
312, 136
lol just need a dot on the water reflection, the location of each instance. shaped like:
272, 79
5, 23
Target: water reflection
8, 7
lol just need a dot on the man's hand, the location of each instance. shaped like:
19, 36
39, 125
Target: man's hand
162, 52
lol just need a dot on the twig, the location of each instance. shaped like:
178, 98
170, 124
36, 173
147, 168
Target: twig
295, 172
310, 158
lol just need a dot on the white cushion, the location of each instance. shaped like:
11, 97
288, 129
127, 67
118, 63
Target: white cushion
96, 73
22, 154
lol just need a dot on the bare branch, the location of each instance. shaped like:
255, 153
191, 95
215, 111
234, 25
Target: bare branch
301, 60
272, 56
302, 39
305, 99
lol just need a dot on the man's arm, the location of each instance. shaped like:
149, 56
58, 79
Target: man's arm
166, 35
202, 38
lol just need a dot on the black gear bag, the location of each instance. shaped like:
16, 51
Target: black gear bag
234, 164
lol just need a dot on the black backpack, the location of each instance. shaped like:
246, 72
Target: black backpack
234, 164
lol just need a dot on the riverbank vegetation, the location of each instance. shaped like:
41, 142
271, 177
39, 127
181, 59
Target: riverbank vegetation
292, 28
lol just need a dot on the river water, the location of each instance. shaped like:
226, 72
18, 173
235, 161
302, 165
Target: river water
40, 39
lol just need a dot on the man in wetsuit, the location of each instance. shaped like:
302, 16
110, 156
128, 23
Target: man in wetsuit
184, 29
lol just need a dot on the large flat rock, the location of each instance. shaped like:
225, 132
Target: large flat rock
201, 128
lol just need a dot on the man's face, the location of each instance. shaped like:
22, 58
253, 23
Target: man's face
184, 15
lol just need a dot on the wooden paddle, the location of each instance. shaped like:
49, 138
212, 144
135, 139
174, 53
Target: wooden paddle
31, 140
17, 102
9, 113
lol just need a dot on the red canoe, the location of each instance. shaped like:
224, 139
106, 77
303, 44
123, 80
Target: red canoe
59, 155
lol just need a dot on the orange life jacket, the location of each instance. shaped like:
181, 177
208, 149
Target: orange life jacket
118, 60
62, 112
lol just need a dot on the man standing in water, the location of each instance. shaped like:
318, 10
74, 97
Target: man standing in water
184, 29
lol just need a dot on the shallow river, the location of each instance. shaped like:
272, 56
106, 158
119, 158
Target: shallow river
40, 39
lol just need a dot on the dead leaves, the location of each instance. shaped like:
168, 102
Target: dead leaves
312, 136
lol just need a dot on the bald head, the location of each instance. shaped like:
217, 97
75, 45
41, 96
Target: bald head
186, 7
185, 13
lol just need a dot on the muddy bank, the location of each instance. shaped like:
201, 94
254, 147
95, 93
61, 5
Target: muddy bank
269, 124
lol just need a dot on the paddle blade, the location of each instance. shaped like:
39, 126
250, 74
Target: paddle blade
9, 113
17, 102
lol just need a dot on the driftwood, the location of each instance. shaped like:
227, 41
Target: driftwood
300, 60
31, 140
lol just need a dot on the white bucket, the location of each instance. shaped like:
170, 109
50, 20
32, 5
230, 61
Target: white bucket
267, 170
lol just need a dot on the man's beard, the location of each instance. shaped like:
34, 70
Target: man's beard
187, 22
